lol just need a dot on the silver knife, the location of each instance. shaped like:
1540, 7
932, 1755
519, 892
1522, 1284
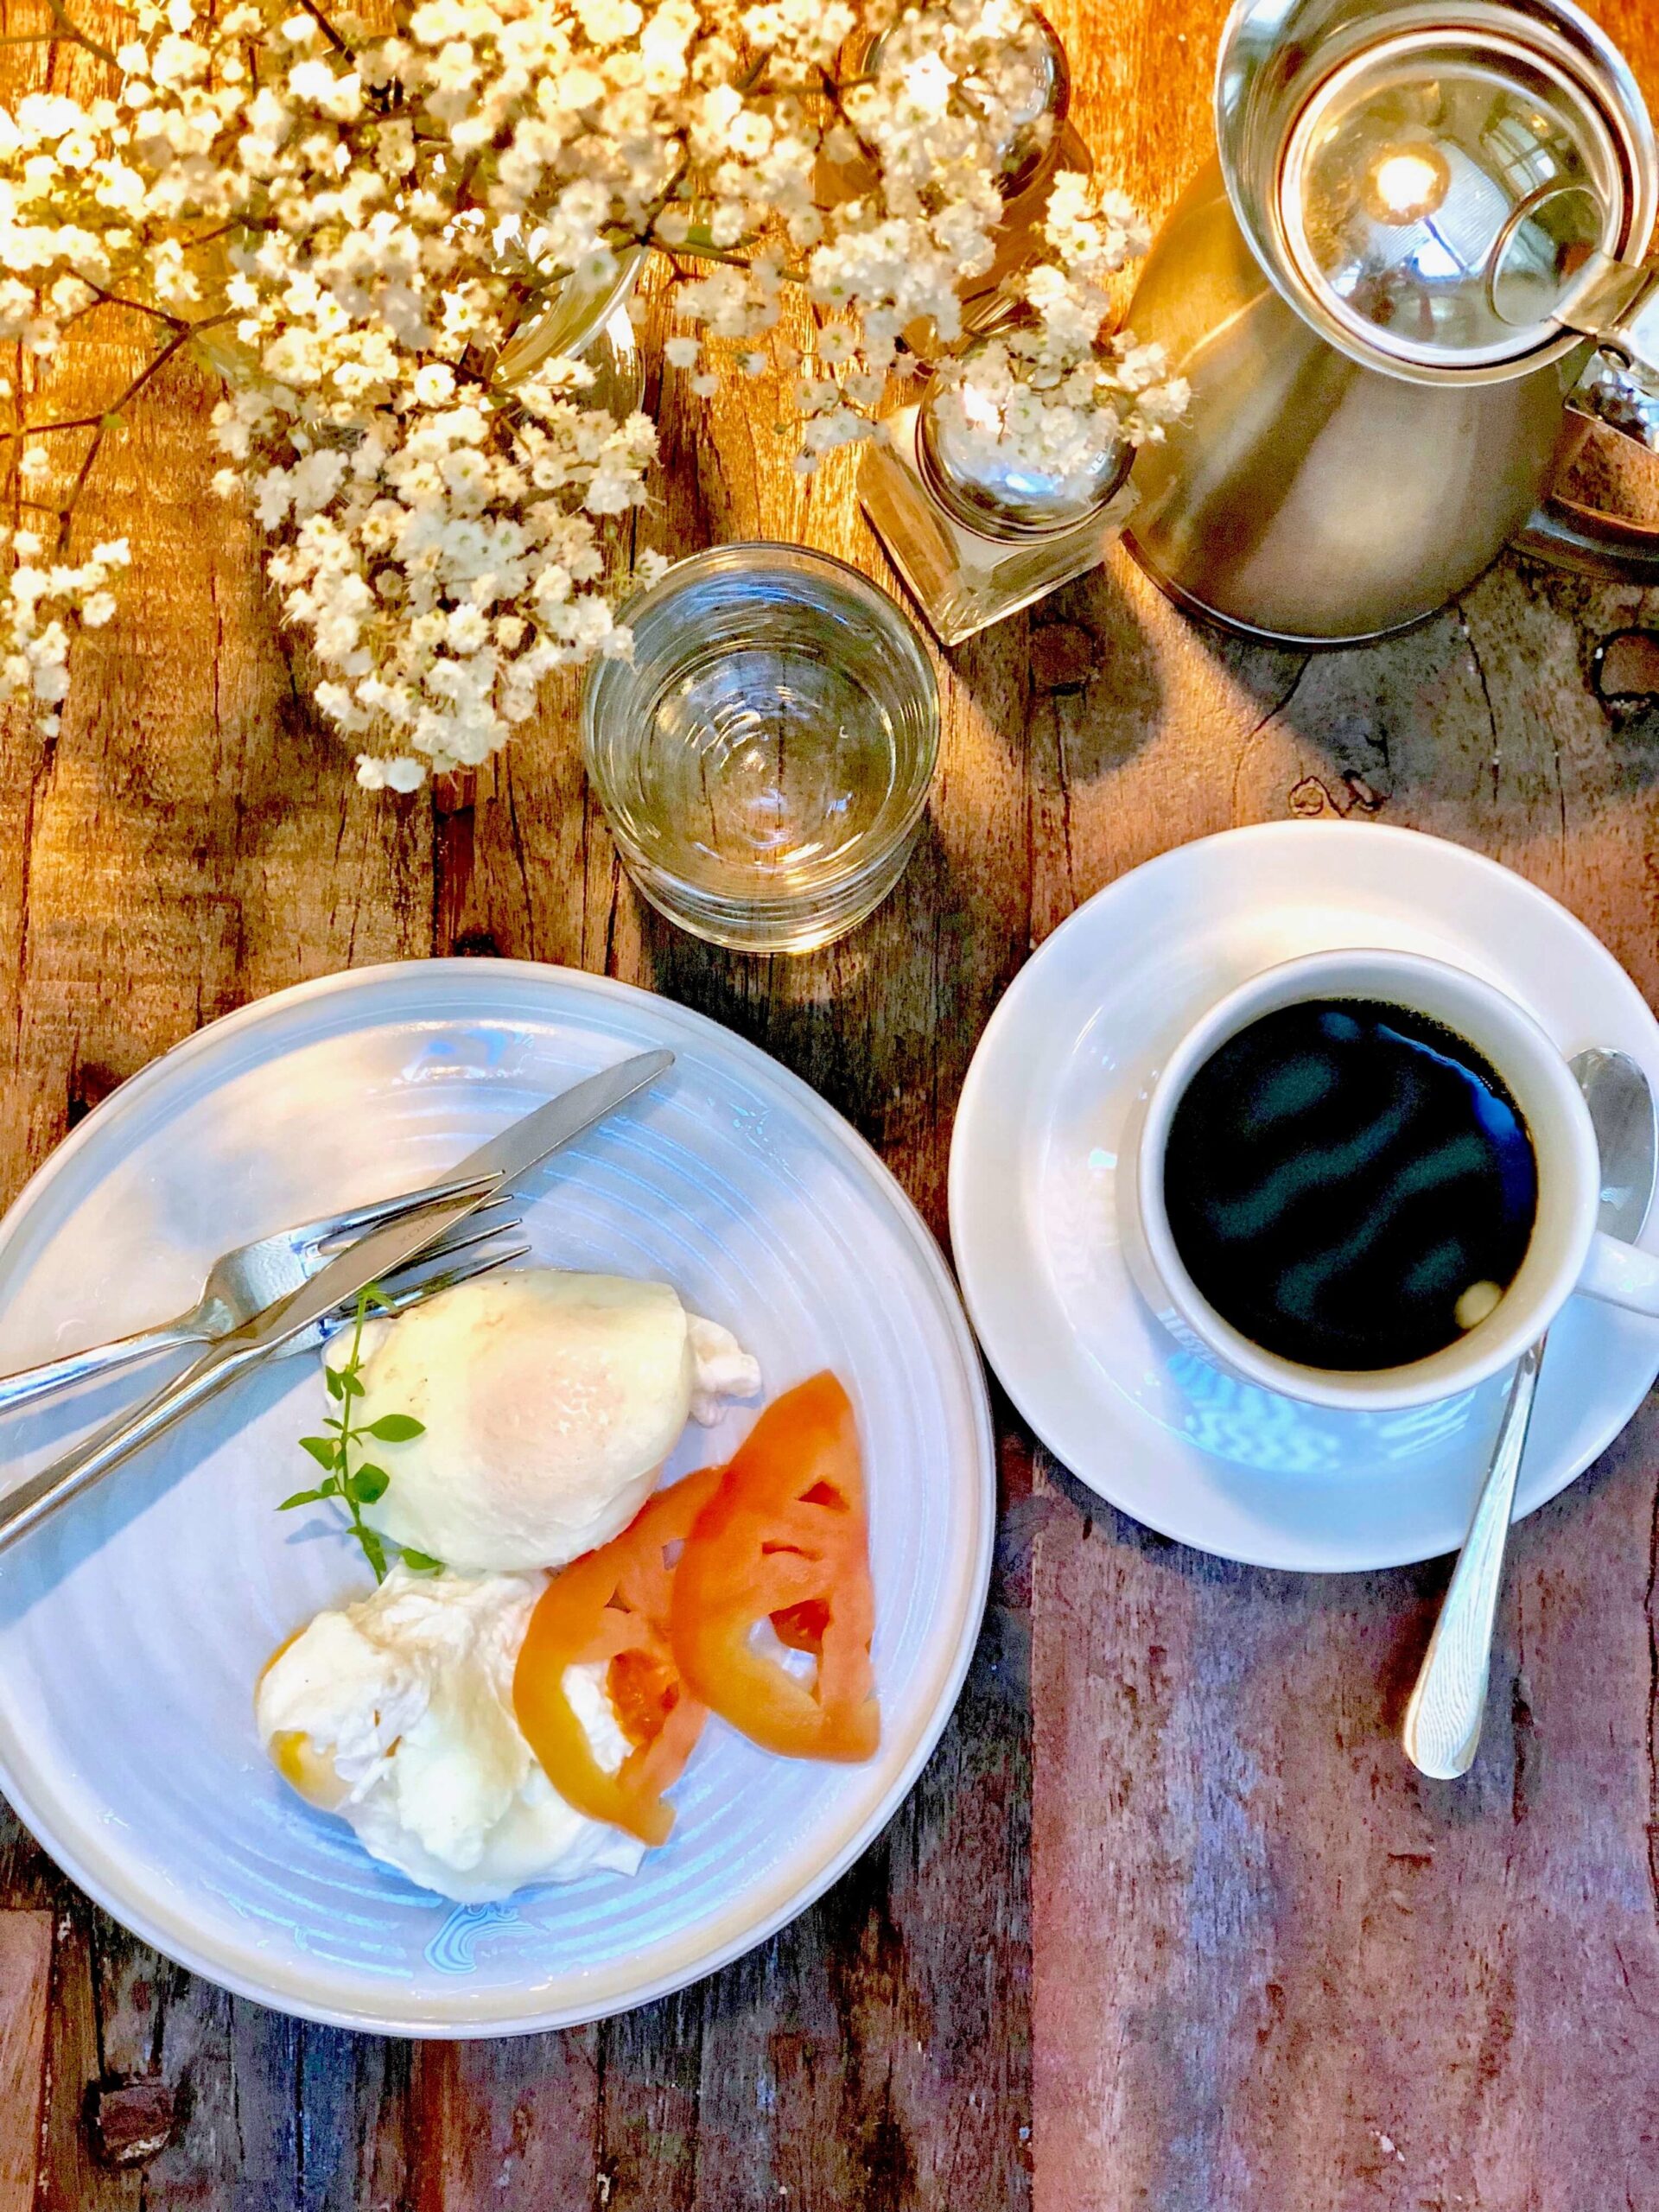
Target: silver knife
261, 1277
481, 1175
526, 1142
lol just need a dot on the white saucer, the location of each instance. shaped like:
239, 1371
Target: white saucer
1152, 1428
132, 1626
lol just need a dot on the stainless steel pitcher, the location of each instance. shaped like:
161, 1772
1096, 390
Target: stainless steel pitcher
1403, 293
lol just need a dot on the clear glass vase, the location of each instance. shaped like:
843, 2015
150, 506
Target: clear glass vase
584, 323
976, 533
1041, 144
588, 323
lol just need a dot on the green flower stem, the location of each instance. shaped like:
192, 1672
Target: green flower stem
358, 1485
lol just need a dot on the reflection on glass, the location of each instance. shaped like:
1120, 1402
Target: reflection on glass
1446, 195
1407, 184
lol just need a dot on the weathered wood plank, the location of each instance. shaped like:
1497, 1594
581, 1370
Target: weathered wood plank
1275, 1967
509, 2123
1271, 1965
25, 1985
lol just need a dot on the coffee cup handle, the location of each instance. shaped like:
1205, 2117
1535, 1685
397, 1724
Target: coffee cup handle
1621, 1275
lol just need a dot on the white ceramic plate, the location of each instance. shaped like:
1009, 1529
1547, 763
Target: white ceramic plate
132, 1627
1156, 1429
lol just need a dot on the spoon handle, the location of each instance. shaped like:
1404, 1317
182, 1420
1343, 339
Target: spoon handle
1442, 1723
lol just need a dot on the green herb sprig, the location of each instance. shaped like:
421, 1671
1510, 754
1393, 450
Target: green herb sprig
355, 1486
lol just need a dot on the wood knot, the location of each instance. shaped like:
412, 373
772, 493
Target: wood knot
1310, 797
1063, 655
1313, 797
131, 2118
476, 945
1624, 668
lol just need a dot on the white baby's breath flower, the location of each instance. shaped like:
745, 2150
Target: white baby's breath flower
433, 382
367, 227
403, 773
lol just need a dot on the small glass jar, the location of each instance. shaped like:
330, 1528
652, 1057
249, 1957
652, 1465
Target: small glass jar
975, 534
588, 323
764, 760
1041, 142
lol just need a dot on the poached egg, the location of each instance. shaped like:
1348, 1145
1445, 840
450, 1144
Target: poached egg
396, 1712
549, 1402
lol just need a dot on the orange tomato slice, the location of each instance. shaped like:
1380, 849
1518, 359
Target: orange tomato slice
611, 1605
784, 1538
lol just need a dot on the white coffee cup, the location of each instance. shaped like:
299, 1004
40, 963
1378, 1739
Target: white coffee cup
1566, 1252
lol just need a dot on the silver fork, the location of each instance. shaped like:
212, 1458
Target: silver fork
243, 1283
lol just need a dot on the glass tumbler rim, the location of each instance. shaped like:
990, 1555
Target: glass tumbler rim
897, 635
737, 554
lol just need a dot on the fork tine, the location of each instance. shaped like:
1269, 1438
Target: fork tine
494, 1218
329, 1228
441, 1268
472, 1230
413, 1285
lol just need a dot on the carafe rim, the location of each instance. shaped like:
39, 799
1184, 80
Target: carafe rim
1273, 63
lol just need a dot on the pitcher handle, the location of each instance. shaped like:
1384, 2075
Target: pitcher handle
1616, 397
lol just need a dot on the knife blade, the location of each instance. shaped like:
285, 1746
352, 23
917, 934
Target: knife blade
360, 1265
494, 1167
526, 1142
486, 1173
519, 1148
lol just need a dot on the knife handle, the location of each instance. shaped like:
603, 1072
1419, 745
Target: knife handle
39, 1495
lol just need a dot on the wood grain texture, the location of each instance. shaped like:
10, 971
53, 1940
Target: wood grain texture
1166, 1895
25, 1985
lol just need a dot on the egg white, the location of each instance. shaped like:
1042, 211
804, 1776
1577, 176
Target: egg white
396, 1712
549, 1402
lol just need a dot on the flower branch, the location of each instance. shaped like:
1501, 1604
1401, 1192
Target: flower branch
361, 234
65, 28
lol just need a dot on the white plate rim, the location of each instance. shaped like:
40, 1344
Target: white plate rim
967, 1242
202, 1042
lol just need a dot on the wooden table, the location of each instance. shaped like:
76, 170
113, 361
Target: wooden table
1168, 1922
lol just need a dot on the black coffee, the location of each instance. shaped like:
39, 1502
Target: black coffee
1350, 1183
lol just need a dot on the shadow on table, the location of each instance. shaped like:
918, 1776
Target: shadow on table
883, 1023
1509, 702
1074, 683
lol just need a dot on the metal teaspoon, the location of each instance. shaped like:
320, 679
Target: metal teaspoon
1442, 1723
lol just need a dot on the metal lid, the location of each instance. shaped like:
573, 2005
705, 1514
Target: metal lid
1433, 182
1441, 192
